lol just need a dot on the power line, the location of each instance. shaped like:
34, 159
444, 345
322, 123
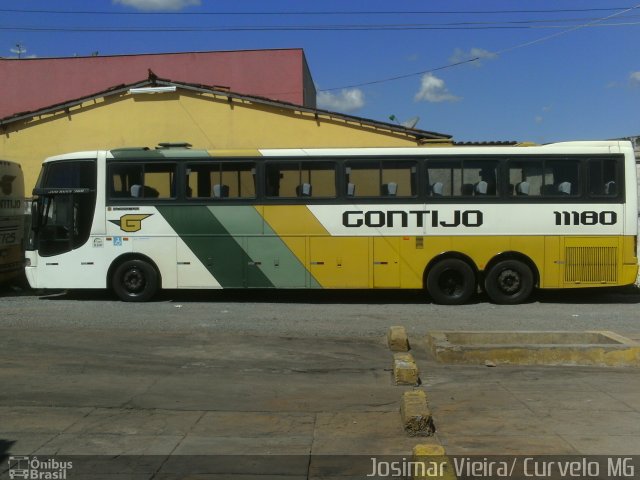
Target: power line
499, 25
462, 25
573, 29
297, 28
500, 52
316, 13
400, 77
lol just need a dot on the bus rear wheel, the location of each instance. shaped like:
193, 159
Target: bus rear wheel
451, 282
135, 281
509, 282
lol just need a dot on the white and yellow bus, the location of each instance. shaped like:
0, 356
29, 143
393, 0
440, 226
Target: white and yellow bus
11, 220
448, 220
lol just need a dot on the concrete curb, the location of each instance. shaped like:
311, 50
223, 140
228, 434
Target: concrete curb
430, 461
415, 413
600, 348
397, 339
405, 370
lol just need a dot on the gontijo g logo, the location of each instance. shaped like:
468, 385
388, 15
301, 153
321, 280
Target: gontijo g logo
131, 222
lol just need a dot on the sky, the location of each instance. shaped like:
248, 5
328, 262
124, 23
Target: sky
490, 70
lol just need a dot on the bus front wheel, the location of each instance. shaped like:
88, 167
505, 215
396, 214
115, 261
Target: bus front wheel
451, 282
509, 282
135, 281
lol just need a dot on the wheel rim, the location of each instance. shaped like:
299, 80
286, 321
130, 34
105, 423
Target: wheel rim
509, 281
133, 281
451, 283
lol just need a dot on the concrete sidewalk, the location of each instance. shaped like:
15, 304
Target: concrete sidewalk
535, 410
285, 407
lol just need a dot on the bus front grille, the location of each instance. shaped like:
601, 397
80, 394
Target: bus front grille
591, 265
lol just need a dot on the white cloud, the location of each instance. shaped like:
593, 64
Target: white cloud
433, 89
158, 4
348, 100
541, 118
634, 78
480, 54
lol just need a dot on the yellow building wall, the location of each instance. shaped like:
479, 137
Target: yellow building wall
204, 120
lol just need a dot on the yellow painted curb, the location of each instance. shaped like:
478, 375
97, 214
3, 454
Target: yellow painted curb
431, 461
405, 370
599, 348
397, 339
415, 413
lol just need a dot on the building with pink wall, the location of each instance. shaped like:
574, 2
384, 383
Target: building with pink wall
34, 83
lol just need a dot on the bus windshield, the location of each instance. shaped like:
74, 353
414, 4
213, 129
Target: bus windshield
64, 201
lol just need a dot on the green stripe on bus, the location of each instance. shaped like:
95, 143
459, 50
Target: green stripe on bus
276, 261
217, 249
296, 267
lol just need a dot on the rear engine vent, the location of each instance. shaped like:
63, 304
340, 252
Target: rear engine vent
595, 265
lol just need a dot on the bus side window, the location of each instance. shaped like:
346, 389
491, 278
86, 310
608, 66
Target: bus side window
399, 178
561, 178
221, 180
282, 179
462, 178
445, 178
375, 178
272, 179
480, 178
366, 176
142, 180
526, 178
237, 180
123, 180
321, 178
301, 179
159, 181
603, 177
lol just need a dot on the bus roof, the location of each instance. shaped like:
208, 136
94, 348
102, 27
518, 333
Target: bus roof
181, 150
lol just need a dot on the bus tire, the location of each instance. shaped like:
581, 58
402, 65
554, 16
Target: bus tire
509, 282
451, 282
135, 281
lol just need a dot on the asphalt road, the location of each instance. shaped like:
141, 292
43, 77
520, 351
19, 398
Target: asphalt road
317, 313
293, 376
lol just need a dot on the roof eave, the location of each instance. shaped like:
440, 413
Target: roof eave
421, 136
